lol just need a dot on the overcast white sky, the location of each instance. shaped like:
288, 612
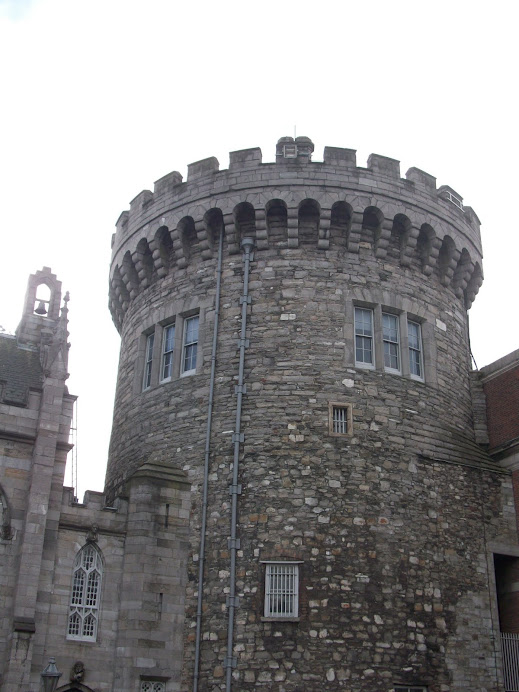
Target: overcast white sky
99, 99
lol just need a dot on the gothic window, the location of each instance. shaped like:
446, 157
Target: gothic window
86, 594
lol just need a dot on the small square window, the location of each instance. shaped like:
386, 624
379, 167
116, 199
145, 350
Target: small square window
409, 688
340, 419
282, 590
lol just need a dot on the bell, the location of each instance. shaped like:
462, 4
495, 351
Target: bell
41, 309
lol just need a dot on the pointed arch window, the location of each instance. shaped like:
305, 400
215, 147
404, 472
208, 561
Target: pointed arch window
85, 596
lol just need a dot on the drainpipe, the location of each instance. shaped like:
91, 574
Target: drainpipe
201, 557
238, 437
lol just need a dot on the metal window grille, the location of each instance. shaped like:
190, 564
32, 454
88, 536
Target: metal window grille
340, 420
148, 361
391, 341
407, 688
414, 336
281, 590
364, 336
190, 344
168, 344
151, 686
510, 649
85, 595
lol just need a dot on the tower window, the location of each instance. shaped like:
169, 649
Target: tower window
364, 337
190, 347
148, 362
409, 688
168, 342
85, 595
414, 336
390, 338
340, 419
282, 590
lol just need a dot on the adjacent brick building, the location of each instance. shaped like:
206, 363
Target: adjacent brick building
307, 488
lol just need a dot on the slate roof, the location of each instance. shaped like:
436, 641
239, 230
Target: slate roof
20, 370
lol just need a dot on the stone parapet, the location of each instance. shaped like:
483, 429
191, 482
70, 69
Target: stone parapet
166, 228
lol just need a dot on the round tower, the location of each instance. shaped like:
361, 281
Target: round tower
295, 339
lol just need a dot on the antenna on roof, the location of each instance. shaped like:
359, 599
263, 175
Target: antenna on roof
294, 131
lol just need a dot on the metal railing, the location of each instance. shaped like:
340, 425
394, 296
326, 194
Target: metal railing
510, 649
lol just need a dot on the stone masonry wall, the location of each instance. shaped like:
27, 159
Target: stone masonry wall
392, 524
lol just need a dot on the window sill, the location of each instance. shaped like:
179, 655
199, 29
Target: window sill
279, 619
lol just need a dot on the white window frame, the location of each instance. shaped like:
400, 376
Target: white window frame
168, 351
281, 590
148, 361
415, 350
188, 346
359, 334
85, 595
391, 343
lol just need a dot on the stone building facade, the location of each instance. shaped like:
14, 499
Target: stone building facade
302, 490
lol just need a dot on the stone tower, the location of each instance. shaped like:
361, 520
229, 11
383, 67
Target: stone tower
295, 341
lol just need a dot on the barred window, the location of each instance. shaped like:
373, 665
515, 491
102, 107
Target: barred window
152, 686
281, 590
168, 343
410, 688
85, 594
190, 347
340, 419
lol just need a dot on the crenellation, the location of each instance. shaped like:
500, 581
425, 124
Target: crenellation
382, 165
203, 168
245, 158
167, 183
342, 158
425, 180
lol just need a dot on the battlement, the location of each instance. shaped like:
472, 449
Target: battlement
166, 228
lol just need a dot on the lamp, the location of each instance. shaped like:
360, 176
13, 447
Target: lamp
50, 676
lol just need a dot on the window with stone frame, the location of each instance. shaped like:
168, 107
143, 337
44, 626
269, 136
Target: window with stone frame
148, 361
152, 686
168, 345
391, 341
409, 688
85, 597
364, 351
190, 344
340, 419
281, 590
414, 341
